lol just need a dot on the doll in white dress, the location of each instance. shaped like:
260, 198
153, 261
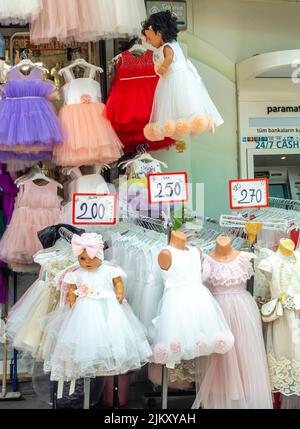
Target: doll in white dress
99, 336
182, 106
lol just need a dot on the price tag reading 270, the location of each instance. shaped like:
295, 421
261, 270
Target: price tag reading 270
250, 193
168, 188
94, 209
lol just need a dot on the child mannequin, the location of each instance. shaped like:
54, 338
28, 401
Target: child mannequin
100, 335
182, 106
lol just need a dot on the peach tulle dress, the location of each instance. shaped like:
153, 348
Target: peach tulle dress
89, 136
239, 378
36, 208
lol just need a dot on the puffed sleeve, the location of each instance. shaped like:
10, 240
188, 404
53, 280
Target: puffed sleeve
70, 278
266, 266
117, 272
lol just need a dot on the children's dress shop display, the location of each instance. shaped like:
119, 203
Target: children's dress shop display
99, 97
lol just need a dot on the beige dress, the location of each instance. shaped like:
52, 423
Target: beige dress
283, 334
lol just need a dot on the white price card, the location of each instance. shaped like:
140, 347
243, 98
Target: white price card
94, 209
250, 193
168, 188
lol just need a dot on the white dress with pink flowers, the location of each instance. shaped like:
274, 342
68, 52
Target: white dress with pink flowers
98, 336
190, 322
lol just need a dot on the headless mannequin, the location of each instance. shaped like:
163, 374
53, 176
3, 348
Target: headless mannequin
286, 247
224, 251
178, 240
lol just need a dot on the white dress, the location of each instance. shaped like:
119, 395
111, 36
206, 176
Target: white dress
19, 11
190, 322
121, 17
98, 336
182, 105
283, 334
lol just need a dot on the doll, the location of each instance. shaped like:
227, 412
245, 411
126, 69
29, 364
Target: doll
182, 106
100, 335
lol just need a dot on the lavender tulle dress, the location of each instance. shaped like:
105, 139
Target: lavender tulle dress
8, 192
29, 127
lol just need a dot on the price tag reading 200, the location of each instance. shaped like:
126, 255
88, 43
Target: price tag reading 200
94, 209
168, 188
251, 193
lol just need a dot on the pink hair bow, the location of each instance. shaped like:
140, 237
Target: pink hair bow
92, 243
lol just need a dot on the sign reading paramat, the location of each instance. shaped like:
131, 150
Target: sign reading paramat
168, 188
94, 209
250, 193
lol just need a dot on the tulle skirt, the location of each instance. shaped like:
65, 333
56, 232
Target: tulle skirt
29, 122
87, 20
19, 12
129, 108
20, 241
98, 338
90, 138
239, 378
181, 107
190, 323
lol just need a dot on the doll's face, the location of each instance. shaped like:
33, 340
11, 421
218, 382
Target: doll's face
87, 263
155, 39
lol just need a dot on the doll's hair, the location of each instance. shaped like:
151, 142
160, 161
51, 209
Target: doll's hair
165, 22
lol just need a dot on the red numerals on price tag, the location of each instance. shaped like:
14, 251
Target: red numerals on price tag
168, 188
94, 209
251, 193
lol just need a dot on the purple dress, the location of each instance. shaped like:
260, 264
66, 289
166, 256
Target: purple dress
27, 118
8, 193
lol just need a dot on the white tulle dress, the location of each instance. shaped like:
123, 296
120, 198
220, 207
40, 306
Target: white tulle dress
182, 105
190, 322
98, 336
19, 11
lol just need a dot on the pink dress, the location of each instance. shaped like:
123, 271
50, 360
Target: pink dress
239, 378
36, 208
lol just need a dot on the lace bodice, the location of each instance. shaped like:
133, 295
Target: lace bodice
131, 66
224, 277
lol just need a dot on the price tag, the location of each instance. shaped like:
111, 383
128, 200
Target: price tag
168, 188
94, 209
251, 193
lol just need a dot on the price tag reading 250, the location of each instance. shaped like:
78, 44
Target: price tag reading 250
94, 209
251, 193
168, 188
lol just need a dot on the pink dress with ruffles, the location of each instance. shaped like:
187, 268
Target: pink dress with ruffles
239, 378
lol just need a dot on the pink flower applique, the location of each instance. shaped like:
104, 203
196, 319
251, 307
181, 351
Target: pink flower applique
161, 354
85, 99
82, 291
176, 348
201, 345
221, 344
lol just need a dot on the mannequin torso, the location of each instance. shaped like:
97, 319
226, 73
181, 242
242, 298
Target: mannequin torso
224, 251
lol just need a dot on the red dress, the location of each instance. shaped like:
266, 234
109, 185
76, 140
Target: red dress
130, 101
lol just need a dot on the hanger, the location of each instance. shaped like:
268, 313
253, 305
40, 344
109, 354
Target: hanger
36, 174
27, 63
80, 62
101, 167
142, 157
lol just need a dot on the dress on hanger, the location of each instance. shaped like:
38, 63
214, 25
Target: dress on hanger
240, 378
182, 105
283, 334
98, 335
89, 136
189, 321
36, 208
29, 126
131, 98
19, 12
